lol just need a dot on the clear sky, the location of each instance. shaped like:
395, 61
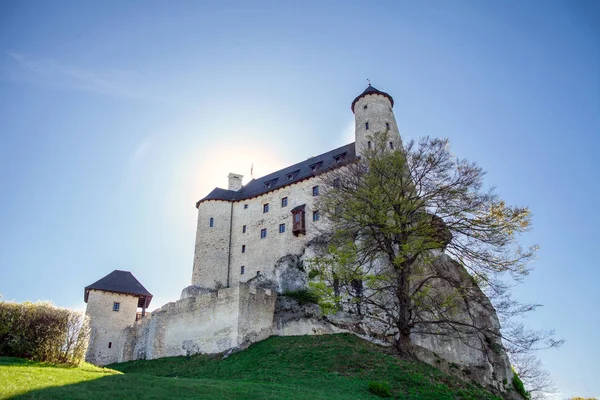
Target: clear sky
116, 117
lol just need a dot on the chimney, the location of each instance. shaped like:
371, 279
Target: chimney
235, 181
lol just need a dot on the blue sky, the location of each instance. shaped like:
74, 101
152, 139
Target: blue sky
116, 117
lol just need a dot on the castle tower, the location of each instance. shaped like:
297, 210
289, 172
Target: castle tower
213, 241
373, 113
112, 305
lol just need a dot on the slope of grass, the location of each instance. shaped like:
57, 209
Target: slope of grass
300, 367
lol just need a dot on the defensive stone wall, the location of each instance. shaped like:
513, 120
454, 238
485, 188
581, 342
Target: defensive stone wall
210, 322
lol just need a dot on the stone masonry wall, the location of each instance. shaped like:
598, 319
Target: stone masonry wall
377, 114
211, 255
260, 254
207, 323
107, 325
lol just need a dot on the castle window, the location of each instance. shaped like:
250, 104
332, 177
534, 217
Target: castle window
339, 158
369, 144
245, 206
243, 248
392, 145
298, 225
281, 228
116, 306
270, 183
315, 190
244, 229
242, 270
257, 273
284, 202
211, 222
387, 125
336, 183
316, 216
315, 167
265, 208
366, 126
109, 345
292, 175
365, 107
263, 233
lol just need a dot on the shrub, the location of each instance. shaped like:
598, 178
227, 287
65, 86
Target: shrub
519, 387
381, 389
43, 332
303, 296
313, 273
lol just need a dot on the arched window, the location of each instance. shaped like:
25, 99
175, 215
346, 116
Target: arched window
211, 222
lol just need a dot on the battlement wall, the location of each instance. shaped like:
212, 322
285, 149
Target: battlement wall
210, 322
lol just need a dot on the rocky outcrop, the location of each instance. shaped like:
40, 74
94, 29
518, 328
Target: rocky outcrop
478, 356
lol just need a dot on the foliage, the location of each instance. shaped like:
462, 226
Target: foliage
519, 387
43, 332
329, 367
391, 214
381, 389
583, 398
303, 296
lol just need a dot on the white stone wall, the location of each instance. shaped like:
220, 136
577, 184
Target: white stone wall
106, 325
211, 255
210, 261
208, 323
377, 114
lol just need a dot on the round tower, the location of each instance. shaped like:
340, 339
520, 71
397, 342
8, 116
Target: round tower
213, 241
112, 306
373, 113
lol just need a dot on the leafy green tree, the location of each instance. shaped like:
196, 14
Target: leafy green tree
392, 215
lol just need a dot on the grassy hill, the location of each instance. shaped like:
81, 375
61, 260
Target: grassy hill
300, 367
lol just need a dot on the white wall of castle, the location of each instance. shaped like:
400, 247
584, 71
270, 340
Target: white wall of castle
261, 254
107, 325
379, 116
211, 322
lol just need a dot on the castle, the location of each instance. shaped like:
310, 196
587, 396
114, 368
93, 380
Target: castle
247, 234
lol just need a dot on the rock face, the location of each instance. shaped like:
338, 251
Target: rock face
480, 352
478, 356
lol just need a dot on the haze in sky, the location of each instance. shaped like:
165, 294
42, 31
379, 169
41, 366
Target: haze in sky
116, 117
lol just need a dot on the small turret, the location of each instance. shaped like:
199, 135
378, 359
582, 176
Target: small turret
112, 305
373, 113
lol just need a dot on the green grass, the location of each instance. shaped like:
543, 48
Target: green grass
300, 367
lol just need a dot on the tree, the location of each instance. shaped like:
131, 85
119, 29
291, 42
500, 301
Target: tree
392, 216
536, 379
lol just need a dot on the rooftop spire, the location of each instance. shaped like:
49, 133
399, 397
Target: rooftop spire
371, 90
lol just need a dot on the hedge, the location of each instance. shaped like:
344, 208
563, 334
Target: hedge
43, 332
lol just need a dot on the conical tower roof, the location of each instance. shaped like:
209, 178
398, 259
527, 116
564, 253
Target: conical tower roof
371, 90
121, 282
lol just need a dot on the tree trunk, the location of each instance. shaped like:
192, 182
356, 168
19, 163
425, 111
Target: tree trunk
404, 320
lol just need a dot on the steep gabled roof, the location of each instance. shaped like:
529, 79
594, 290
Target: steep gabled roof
371, 90
121, 282
286, 176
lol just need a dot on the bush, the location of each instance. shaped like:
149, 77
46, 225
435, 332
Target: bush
303, 296
43, 332
519, 387
381, 389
